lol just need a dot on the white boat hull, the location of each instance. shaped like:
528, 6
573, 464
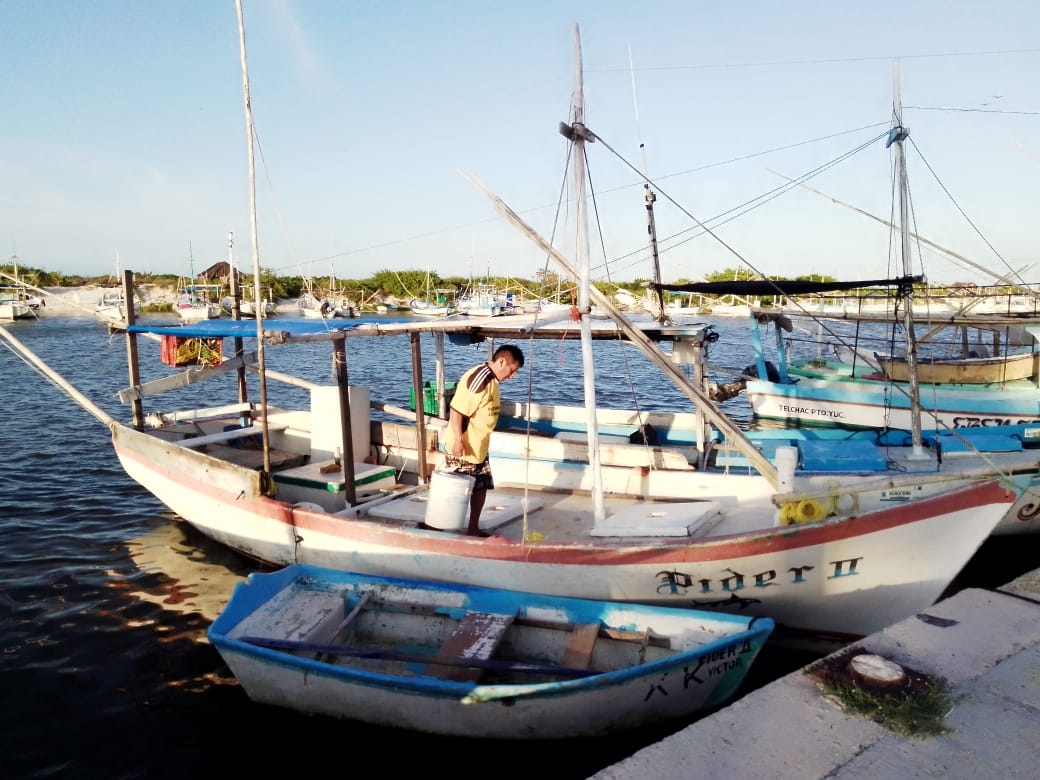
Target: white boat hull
16, 310
877, 405
697, 660
196, 312
851, 575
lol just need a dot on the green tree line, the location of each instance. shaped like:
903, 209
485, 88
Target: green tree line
401, 284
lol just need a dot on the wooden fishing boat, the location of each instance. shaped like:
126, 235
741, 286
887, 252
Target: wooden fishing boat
961, 384
863, 389
706, 550
111, 306
198, 302
17, 300
285, 483
465, 661
438, 307
16, 303
965, 370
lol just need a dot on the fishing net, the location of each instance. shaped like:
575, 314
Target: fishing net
190, 351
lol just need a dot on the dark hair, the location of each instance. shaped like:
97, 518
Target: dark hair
513, 351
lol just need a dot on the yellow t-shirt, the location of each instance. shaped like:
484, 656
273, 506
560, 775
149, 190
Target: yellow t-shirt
477, 399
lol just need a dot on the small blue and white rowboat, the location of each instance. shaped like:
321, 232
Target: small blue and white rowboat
478, 662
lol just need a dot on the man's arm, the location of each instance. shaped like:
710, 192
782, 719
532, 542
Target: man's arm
455, 420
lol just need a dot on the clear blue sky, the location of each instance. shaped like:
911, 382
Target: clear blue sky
123, 132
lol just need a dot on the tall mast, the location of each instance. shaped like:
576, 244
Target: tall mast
651, 229
896, 136
254, 234
578, 134
650, 197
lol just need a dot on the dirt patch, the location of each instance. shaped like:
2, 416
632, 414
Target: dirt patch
915, 707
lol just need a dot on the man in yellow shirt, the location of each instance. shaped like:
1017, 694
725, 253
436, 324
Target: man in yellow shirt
472, 418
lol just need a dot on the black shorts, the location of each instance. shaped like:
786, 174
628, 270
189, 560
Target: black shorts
481, 472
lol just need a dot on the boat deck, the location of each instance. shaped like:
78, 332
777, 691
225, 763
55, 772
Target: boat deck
568, 517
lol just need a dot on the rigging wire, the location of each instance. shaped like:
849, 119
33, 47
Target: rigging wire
760, 200
747, 206
620, 340
769, 196
957, 206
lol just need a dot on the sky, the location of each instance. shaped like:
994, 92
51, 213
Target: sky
123, 140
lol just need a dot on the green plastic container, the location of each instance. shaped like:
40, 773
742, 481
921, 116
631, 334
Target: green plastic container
430, 396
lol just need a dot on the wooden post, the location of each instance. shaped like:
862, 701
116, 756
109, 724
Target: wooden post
136, 408
420, 411
439, 377
339, 359
236, 314
700, 379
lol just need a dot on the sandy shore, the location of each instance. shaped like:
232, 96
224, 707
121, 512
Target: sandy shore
80, 301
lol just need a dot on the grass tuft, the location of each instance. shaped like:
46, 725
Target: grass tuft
916, 708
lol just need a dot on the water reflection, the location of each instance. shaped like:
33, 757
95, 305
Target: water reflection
191, 573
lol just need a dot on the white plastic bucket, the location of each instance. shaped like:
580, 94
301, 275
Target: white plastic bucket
447, 505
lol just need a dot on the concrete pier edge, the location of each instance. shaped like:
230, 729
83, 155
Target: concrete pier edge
986, 645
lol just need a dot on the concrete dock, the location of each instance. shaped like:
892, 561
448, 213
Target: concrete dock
985, 644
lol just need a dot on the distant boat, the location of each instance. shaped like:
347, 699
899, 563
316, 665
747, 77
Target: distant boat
247, 308
684, 306
312, 307
855, 387
314, 304
973, 370
467, 661
267, 307
198, 302
479, 301
437, 303
17, 304
16, 301
111, 306
423, 308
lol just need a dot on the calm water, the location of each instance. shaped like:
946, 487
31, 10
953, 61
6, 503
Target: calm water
105, 598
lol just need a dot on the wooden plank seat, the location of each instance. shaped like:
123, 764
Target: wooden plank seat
224, 436
254, 458
476, 637
579, 646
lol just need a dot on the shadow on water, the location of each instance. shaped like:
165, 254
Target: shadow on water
109, 674
106, 672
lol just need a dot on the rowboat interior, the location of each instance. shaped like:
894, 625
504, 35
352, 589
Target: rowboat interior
400, 632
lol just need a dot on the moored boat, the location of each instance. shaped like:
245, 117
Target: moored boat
467, 661
17, 300
290, 484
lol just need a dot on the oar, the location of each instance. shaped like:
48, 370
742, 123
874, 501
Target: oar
391, 655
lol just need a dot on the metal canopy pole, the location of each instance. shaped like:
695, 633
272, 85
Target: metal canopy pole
339, 359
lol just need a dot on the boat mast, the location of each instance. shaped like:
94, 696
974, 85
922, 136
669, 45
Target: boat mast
578, 134
636, 336
651, 227
191, 270
236, 314
250, 135
896, 136
650, 198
